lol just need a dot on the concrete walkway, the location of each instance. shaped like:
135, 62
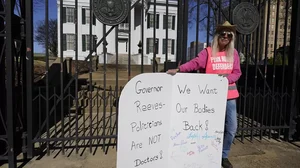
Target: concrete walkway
265, 154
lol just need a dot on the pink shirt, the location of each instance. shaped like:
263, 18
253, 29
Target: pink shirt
199, 63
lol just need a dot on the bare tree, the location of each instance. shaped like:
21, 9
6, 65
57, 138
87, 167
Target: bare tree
209, 12
40, 36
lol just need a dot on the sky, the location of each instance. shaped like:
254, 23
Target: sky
39, 15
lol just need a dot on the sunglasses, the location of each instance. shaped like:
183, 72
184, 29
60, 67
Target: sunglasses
229, 34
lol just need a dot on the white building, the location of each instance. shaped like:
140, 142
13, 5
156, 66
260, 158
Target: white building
84, 21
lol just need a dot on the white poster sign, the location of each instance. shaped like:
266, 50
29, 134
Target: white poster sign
172, 121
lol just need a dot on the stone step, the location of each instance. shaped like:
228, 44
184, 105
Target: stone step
97, 99
94, 110
86, 103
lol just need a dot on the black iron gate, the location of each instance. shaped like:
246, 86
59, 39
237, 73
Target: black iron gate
68, 98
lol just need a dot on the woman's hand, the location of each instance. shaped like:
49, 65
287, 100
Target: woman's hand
172, 71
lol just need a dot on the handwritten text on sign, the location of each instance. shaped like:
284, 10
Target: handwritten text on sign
172, 121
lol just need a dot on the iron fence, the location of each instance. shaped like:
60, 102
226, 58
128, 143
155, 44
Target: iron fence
72, 101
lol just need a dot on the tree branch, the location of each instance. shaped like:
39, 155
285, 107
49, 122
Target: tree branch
52, 35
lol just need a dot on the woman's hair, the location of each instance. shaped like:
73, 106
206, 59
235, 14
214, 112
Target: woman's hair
229, 50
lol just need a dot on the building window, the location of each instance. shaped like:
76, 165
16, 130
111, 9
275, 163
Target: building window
150, 46
150, 21
86, 46
170, 45
68, 15
68, 42
170, 22
86, 18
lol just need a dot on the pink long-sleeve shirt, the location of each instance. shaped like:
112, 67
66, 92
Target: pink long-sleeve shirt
199, 63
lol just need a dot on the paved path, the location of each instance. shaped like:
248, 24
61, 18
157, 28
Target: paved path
266, 154
270, 154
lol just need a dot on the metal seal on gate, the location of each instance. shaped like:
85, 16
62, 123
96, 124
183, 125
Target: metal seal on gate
246, 18
111, 12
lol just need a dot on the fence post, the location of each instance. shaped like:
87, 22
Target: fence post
10, 82
179, 42
29, 75
184, 35
3, 131
293, 62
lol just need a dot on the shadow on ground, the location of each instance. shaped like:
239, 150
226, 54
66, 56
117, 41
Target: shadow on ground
265, 154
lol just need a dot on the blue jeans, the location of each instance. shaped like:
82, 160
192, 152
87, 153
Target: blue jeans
230, 126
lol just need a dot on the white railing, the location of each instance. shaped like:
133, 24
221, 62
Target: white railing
124, 26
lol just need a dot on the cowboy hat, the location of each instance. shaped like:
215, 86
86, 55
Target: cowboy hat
226, 26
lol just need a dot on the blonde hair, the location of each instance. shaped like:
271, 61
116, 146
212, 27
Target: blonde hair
229, 49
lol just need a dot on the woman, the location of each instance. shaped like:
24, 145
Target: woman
221, 59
